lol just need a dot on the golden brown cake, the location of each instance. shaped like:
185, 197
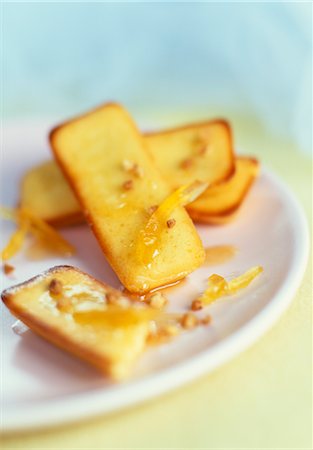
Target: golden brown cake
57, 303
219, 204
201, 151
196, 151
104, 158
45, 192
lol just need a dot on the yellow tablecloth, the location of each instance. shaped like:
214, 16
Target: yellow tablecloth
260, 400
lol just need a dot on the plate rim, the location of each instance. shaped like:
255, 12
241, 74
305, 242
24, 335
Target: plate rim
79, 406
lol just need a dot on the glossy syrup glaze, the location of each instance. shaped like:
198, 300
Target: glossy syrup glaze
219, 254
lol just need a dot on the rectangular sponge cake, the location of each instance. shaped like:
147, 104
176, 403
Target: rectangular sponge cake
112, 349
201, 151
103, 156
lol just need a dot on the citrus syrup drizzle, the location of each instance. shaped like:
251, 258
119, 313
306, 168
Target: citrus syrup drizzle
219, 254
165, 289
149, 236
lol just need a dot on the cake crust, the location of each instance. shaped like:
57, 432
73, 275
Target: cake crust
29, 302
91, 150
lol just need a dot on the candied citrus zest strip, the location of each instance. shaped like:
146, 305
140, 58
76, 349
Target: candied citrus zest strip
53, 243
244, 280
47, 233
118, 316
151, 232
115, 316
27, 221
16, 242
219, 287
181, 197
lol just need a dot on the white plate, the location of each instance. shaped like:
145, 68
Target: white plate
44, 386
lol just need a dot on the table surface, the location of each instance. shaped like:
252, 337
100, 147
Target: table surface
260, 400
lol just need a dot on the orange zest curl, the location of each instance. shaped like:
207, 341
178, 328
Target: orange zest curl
15, 243
219, 287
157, 222
115, 316
27, 223
118, 316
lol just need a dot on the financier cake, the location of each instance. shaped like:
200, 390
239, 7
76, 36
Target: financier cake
220, 203
202, 151
64, 305
199, 151
119, 188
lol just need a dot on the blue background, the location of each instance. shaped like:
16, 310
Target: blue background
250, 58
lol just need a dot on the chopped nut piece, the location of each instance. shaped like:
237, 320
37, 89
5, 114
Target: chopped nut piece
131, 167
171, 330
187, 163
111, 298
157, 300
189, 321
64, 304
156, 338
138, 171
162, 335
202, 150
206, 320
196, 305
55, 287
152, 209
123, 302
127, 165
204, 135
7, 269
116, 300
129, 184
171, 223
